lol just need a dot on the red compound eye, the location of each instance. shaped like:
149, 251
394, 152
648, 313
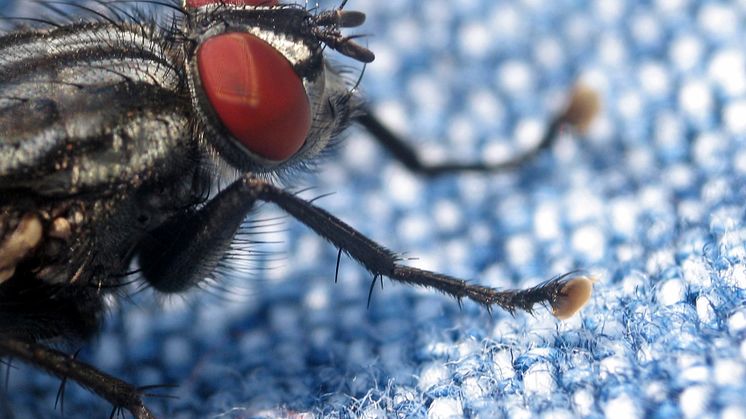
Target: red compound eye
256, 94
200, 3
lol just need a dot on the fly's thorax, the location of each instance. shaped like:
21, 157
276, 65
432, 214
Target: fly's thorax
264, 95
89, 107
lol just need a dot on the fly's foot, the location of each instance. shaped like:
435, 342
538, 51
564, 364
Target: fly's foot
573, 296
582, 108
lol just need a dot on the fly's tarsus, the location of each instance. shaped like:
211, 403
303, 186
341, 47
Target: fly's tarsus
566, 294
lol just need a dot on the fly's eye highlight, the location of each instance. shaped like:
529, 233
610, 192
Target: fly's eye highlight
256, 94
200, 3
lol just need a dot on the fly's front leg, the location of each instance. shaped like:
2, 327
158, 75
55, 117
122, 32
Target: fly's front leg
578, 113
191, 251
186, 249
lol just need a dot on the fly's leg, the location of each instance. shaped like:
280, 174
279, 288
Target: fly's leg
187, 248
579, 112
191, 244
565, 294
31, 311
120, 394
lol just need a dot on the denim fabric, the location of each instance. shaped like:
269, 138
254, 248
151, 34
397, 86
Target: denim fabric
650, 199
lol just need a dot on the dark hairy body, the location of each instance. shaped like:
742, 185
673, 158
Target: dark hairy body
110, 152
111, 160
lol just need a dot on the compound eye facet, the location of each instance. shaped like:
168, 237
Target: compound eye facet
199, 3
255, 93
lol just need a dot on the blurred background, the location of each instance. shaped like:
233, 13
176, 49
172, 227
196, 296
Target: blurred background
650, 199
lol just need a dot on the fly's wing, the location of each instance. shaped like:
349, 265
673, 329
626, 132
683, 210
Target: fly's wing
88, 107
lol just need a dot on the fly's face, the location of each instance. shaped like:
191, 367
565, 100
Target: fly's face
264, 95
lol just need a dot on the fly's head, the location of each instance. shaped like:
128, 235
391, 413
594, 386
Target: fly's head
263, 92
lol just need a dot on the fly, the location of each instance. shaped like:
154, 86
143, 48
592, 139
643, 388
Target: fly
115, 133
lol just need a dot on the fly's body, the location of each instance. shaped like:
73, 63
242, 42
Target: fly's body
90, 124
103, 144
91, 127
114, 135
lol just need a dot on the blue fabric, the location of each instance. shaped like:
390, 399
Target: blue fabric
651, 200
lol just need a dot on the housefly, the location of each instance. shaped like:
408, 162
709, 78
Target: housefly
117, 135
